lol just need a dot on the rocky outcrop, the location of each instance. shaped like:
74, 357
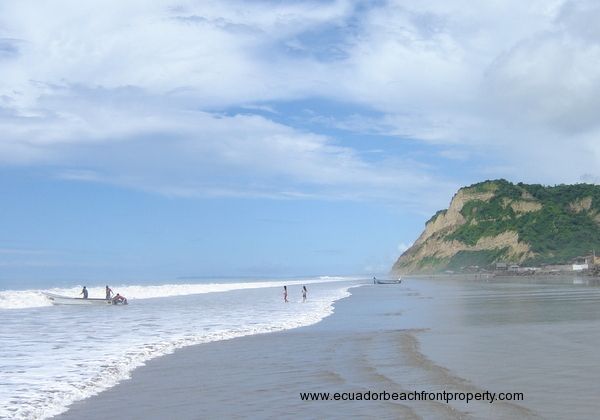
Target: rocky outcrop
522, 206
449, 219
498, 221
584, 204
435, 253
431, 250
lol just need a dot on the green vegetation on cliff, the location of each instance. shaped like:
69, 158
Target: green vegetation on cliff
556, 233
554, 224
475, 258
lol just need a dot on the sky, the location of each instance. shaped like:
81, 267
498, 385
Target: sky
158, 140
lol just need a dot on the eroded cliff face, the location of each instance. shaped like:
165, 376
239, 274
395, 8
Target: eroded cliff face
435, 248
435, 254
583, 204
448, 220
495, 221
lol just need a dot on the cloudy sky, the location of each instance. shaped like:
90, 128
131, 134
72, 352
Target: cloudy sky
178, 138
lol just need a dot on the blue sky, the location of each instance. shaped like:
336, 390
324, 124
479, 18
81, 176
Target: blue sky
267, 138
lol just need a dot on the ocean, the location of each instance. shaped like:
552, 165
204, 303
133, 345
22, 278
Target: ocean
51, 356
538, 336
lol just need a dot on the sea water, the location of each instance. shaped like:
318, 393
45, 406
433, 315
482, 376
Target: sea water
538, 336
51, 356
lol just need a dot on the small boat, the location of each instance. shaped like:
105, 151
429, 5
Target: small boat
66, 300
377, 281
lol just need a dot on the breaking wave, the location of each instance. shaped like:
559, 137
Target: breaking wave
22, 299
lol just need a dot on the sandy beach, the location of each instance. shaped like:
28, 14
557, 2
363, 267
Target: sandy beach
299, 210
370, 343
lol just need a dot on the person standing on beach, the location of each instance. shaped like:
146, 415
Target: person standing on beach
304, 292
285, 294
84, 292
109, 292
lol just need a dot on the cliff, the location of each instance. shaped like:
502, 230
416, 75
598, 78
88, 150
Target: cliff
497, 221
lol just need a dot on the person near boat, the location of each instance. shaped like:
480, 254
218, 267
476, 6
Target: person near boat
119, 299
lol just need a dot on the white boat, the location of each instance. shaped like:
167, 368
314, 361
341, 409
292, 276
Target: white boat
377, 281
66, 300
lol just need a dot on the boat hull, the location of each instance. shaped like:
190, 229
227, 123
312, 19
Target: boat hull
65, 300
388, 281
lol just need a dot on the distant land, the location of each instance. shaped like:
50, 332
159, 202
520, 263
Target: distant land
497, 225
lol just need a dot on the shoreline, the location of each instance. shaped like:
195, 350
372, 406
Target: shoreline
367, 344
82, 351
543, 277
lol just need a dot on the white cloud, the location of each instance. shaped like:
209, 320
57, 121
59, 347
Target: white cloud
142, 144
132, 92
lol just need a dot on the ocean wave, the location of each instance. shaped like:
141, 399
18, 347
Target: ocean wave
22, 299
51, 402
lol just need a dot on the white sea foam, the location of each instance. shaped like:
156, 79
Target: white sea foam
17, 299
77, 357
20, 299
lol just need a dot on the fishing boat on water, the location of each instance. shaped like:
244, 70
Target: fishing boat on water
66, 300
